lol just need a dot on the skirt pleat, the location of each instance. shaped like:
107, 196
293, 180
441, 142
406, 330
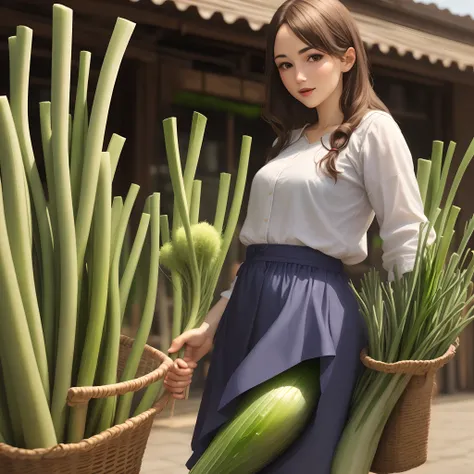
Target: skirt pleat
289, 304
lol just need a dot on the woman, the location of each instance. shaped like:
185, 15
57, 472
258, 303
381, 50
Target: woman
339, 160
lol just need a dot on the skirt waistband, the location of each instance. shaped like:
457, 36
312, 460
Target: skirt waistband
293, 254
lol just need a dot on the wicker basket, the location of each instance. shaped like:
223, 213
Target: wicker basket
118, 450
404, 442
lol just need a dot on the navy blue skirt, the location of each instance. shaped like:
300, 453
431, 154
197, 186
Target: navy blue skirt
289, 304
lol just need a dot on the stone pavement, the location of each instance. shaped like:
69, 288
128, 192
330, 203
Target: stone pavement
451, 449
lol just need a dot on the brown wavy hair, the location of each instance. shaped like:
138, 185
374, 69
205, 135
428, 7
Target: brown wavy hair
328, 26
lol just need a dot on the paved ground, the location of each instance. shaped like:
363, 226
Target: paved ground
451, 439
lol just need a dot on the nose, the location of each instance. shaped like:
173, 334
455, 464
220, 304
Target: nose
300, 77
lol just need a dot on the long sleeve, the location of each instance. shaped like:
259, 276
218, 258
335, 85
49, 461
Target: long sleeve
393, 192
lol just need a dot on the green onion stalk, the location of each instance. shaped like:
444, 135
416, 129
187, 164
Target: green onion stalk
98, 297
418, 316
195, 251
61, 246
131, 367
17, 354
66, 239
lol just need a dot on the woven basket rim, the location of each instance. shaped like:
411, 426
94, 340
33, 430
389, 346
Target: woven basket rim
409, 367
67, 449
81, 395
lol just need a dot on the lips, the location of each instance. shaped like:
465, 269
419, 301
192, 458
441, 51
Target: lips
306, 91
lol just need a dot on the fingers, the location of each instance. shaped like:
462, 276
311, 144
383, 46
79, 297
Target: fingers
177, 344
180, 367
192, 364
177, 386
179, 396
179, 377
175, 377
182, 339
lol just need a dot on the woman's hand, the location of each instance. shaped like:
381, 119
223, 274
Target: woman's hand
198, 343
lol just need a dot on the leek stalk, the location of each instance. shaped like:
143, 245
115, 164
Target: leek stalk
131, 266
131, 366
17, 350
79, 127
112, 345
96, 131
60, 86
19, 105
416, 317
98, 296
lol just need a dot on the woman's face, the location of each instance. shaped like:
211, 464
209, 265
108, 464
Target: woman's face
308, 74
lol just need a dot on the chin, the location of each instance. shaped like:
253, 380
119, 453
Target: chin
310, 103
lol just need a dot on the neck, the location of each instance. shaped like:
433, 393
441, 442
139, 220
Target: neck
329, 112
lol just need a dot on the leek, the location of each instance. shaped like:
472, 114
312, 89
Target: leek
79, 126
112, 335
416, 317
98, 296
19, 105
40, 331
133, 360
62, 46
17, 348
194, 280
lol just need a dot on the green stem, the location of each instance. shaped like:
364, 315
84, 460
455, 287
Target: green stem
423, 177
17, 351
96, 131
442, 185
98, 297
435, 175
12, 173
130, 268
112, 346
198, 128
195, 202
366, 426
79, 126
49, 318
60, 86
5, 421
172, 152
222, 200
131, 366
153, 391
115, 149
468, 156
234, 211
20, 115
117, 208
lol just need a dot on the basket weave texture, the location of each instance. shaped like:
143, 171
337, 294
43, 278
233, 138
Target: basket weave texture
404, 442
118, 450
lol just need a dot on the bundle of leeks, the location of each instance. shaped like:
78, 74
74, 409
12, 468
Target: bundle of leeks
415, 317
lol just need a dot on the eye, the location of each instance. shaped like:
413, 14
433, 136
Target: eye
284, 66
315, 58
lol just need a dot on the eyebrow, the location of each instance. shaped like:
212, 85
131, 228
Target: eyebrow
301, 51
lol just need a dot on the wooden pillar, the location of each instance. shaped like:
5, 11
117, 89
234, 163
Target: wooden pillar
146, 121
144, 149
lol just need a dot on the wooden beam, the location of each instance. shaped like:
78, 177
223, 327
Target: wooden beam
421, 67
90, 36
154, 16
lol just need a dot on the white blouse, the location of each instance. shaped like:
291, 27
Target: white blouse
293, 202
